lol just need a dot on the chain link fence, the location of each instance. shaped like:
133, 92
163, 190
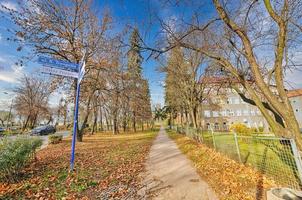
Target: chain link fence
277, 158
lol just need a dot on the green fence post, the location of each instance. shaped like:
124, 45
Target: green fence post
202, 138
297, 158
213, 138
237, 147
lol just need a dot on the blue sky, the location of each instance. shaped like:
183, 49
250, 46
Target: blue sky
139, 13
134, 12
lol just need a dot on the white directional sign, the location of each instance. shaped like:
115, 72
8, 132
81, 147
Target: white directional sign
60, 72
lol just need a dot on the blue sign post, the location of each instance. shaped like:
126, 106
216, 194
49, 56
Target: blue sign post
76, 110
75, 126
64, 68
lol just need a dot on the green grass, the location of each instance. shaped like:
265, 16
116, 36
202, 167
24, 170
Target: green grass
268, 156
102, 161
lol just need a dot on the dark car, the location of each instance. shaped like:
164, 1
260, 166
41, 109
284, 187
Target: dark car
1, 131
43, 130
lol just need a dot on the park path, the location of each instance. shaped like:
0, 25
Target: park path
170, 174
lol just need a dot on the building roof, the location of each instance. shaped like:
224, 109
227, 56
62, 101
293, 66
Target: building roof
294, 93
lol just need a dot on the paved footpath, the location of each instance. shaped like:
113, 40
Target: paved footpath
170, 175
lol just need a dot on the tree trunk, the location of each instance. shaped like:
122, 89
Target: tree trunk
25, 124
94, 126
101, 119
134, 122
81, 130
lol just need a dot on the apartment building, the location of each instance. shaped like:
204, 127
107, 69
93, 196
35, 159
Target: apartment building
295, 97
226, 107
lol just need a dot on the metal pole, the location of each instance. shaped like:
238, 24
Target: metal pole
75, 127
297, 158
237, 147
213, 138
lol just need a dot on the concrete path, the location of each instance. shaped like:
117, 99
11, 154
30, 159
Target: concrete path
170, 174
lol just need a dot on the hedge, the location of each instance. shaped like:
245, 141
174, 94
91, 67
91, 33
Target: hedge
55, 139
15, 154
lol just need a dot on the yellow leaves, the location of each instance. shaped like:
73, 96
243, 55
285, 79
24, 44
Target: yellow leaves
228, 178
103, 162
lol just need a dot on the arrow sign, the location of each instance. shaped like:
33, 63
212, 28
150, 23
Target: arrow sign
61, 64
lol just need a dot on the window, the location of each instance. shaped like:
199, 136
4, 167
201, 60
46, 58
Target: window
216, 126
208, 126
231, 113
207, 113
238, 113
297, 110
225, 126
223, 113
215, 114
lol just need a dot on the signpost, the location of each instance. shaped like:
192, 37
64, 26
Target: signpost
67, 69
75, 122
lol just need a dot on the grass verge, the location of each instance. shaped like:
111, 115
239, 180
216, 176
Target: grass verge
229, 179
107, 166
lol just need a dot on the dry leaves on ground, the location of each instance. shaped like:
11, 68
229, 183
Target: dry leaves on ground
107, 166
229, 179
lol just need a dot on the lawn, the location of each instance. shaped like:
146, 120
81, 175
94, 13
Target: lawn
266, 154
107, 166
230, 179
270, 155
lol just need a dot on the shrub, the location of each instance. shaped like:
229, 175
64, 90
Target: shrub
261, 129
15, 154
55, 139
241, 129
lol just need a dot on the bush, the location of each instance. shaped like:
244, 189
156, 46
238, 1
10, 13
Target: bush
55, 139
261, 129
15, 154
241, 129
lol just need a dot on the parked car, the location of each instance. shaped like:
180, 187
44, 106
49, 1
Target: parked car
43, 130
2, 131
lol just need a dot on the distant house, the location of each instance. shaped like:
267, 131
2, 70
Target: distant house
225, 107
295, 97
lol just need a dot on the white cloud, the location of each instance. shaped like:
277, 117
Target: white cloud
7, 77
12, 74
9, 5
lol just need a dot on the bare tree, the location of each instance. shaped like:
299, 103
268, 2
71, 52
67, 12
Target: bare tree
252, 42
31, 100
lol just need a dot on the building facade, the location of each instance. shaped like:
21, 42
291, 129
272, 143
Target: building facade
226, 107
295, 97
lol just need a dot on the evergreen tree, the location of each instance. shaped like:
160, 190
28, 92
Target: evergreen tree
134, 56
140, 103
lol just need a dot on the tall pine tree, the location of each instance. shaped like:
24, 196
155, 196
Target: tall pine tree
140, 104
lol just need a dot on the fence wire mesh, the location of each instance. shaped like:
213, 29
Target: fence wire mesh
277, 158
